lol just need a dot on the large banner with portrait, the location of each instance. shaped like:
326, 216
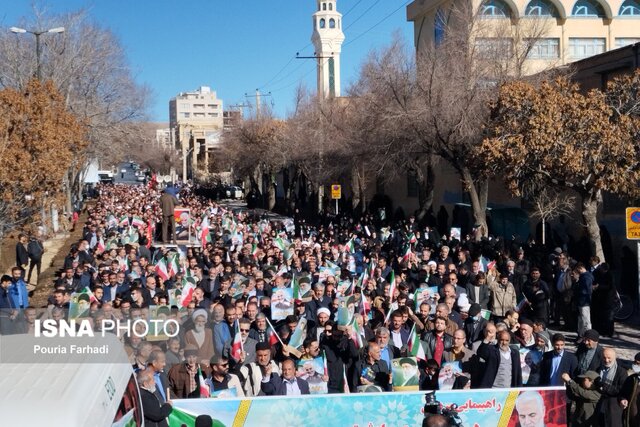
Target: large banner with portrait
475, 408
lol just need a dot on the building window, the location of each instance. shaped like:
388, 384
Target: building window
542, 8
198, 115
324, 6
493, 48
213, 106
332, 23
213, 114
584, 47
588, 9
544, 49
630, 8
330, 6
322, 23
626, 41
440, 26
186, 115
494, 9
198, 105
185, 105
412, 183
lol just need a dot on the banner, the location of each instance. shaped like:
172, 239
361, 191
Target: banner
476, 408
183, 219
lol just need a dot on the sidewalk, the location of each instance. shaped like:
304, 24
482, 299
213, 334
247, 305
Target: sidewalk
51, 248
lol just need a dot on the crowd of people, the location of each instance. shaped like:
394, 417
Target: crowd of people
260, 302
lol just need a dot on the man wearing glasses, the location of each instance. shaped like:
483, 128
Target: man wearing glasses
220, 378
248, 344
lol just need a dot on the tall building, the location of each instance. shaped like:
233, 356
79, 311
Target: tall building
196, 120
327, 40
574, 30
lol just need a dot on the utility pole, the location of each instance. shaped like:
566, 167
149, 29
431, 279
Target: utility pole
258, 96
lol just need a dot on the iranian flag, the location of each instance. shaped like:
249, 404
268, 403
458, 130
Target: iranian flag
415, 348
412, 238
407, 253
236, 346
172, 265
162, 269
100, 246
204, 388
273, 337
205, 237
392, 288
254, 250
92, 297
356, 334
187, 293
324, 363
124, 221
350, 246
344, 380
281, 244
136, 221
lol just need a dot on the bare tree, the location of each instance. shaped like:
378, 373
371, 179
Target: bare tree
549, 204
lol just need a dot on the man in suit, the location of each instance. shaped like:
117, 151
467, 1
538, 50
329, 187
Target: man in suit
478, 291
155, 412
285, 385
589, 352
155, 364
612, 377
502, 368
474, 324
556, 362
399, 332
168, 203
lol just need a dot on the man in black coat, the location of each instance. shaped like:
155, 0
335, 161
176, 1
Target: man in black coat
612, 377
589, 352
494, 356
556, 362
155, 412
474, 324
285, 385
340, 352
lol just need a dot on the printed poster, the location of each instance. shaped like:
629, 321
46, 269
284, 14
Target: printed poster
312, 370
448, 373
281, 303
405, 375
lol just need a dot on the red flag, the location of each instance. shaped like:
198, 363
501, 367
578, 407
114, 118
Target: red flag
273, 339
236, 346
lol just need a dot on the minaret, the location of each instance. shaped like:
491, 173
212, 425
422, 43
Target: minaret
327, 39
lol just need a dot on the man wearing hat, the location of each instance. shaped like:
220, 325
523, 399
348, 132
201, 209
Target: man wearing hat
201, 335
474, 324
589, 352
183, 378
586, 397
252, 374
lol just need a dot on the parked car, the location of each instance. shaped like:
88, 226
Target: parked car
234, 192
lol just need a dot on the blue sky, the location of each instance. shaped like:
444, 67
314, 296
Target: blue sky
233, 46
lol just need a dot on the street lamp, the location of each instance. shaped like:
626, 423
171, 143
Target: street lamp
18, 30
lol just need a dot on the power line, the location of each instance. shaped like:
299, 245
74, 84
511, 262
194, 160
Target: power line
271, 81
279, 72
377, 23
361, 15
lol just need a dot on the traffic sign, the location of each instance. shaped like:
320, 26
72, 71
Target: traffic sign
336, 193
633, 223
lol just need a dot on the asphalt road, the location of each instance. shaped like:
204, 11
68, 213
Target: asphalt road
126, 174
